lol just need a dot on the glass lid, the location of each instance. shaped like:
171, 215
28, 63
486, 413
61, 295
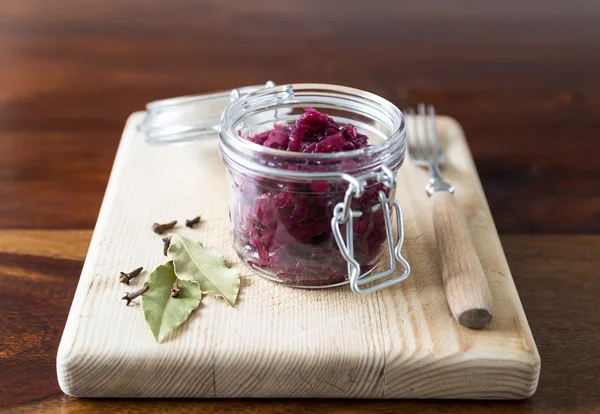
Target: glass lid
189, 118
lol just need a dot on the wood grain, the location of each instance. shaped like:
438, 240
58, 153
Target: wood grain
521, 77
279, 342
73, 72
66, 244
538, 263
465, 284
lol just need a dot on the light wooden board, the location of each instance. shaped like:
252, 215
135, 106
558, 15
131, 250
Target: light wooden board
401, 342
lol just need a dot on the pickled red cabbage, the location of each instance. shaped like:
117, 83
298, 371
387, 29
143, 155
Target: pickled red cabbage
284, 229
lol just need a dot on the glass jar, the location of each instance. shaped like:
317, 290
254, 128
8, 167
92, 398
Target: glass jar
304, 219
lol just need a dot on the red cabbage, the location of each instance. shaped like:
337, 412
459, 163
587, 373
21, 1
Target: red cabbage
284, 229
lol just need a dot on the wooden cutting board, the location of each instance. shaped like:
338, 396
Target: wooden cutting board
401, 342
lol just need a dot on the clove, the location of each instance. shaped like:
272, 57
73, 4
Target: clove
175, 290
167, 243
126, 277
132, 295
161, 228
191, 223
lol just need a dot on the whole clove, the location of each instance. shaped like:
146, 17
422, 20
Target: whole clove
132, 295
161, 228
167, 243
191, 223
175, 290
126, 277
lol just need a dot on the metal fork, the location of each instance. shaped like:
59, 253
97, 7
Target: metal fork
465, 283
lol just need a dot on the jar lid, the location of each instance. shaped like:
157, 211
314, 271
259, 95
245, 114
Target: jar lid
189, 118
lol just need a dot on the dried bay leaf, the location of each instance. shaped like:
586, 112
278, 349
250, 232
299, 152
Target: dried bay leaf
162, 312
207, 267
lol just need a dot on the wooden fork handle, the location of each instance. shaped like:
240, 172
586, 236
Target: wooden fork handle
466, 286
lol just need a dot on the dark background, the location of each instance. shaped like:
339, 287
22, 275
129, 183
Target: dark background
522, 77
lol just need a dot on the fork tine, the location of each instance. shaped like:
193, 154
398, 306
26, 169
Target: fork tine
422, 122
414, 150
434, 135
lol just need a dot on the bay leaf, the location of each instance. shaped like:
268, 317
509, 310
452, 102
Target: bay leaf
205, 266
162, 312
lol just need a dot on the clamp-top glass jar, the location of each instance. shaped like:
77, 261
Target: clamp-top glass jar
312, 219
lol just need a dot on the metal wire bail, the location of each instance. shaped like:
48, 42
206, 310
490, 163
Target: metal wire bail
343, 214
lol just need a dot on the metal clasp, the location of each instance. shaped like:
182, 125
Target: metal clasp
343, 214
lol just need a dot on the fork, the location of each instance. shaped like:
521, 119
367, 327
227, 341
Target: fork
465, 283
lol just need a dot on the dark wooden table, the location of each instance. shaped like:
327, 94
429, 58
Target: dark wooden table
523, 78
